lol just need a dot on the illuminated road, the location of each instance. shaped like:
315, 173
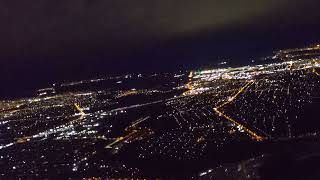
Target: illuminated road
137, 122
231, 99
315, 71
315, 64
79, 109
119, 139
189, 87
251, 133
123, 138
242, 89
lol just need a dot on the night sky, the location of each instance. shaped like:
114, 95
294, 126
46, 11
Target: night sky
44, 41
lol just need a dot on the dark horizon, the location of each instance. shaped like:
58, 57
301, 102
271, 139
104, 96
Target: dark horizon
45, 42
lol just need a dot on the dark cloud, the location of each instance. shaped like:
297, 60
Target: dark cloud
49, 27
66, 37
